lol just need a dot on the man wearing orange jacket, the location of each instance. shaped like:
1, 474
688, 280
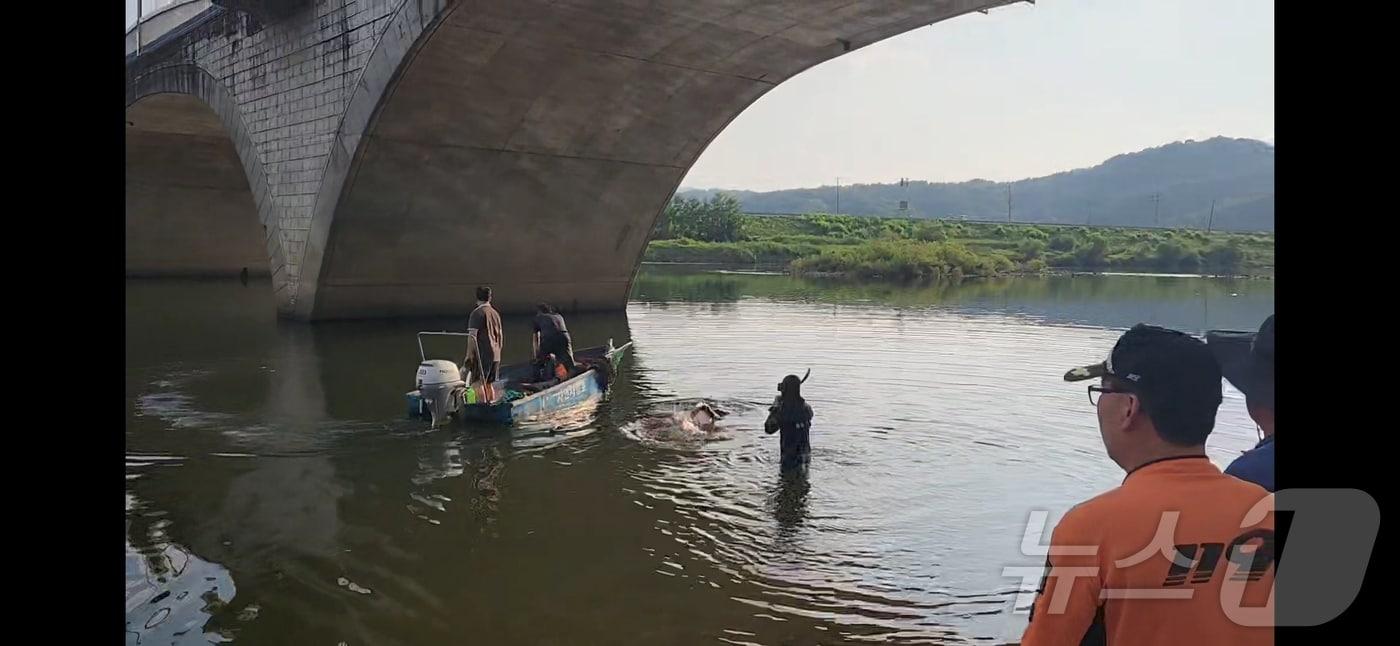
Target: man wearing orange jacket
1180, 553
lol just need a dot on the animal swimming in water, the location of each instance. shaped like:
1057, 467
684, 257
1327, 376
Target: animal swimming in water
697, 421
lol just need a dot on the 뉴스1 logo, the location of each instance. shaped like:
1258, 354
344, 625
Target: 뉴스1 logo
1331, 538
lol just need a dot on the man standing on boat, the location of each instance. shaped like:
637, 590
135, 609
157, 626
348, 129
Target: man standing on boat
484, 342
791, 415
551, 336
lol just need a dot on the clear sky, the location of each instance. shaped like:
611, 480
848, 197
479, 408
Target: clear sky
1024, 91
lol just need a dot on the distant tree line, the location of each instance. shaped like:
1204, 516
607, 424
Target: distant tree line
717, 219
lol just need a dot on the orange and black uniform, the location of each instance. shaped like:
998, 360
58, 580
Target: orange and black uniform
1212, 542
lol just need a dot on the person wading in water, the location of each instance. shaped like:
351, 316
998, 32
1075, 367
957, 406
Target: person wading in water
791, 415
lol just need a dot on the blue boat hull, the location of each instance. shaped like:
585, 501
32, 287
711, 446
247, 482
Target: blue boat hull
583, 389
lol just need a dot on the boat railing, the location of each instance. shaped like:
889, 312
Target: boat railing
423, 356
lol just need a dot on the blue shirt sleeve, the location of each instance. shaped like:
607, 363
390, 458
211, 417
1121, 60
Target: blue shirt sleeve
1256, 465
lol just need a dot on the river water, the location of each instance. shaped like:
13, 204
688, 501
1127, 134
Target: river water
277, 494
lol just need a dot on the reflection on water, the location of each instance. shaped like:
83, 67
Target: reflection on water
789, 501
278, 456
1187, 303
171, 594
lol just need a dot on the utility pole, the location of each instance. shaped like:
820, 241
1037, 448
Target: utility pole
838, 196
1156, 200
1008, 201
1211, 221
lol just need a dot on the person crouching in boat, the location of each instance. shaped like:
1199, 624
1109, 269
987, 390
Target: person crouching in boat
791, 415
551, 336
549, 371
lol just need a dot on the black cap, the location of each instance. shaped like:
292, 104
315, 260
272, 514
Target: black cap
1247, 360
1174, 373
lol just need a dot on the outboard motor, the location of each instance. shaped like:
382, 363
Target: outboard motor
439, 382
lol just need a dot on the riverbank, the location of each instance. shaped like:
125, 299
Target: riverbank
923, 250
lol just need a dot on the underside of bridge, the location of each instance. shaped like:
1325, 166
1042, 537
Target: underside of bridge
399, 159
189, 211
531, 145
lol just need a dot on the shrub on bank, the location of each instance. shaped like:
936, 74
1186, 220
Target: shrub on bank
686, 250
1062, 242
930, 232
905, 260
1031, 248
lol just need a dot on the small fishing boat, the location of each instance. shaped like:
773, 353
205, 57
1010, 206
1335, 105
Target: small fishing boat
441, 394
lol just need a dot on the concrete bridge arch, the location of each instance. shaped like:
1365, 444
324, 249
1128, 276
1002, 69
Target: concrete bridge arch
526, 144
196, 198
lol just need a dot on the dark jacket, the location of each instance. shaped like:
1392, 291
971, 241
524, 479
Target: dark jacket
794, 419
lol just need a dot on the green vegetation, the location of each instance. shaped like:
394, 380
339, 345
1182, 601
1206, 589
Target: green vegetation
905, 260
716, 220
714, 231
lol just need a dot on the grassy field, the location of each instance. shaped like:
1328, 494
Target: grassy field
906, 249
